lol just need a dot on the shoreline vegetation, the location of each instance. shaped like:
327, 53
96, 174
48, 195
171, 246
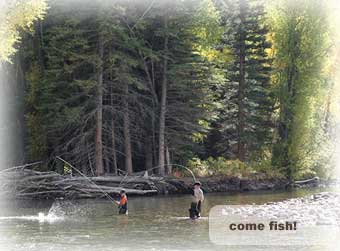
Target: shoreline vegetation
243, 94
29, 184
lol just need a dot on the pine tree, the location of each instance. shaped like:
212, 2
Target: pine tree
125, 92
245, 116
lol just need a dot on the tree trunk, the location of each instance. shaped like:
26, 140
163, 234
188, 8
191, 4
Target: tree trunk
241, 153
113, 131
106, 164
148, 154
90, 162
113, 142
154, 137
163, 105
168, 162
127, 138
99, 114
294, 51
153, 119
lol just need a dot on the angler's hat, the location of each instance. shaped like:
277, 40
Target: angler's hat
197, 183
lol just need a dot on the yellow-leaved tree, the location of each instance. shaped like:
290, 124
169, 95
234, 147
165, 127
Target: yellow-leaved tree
15, 17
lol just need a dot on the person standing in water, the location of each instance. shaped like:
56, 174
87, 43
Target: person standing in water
122, 203
197, 200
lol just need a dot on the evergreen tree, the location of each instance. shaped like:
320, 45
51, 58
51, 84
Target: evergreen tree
244, 123
109, 73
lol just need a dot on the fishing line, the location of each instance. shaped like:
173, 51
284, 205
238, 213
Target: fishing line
123, 179
177, 165
105, 193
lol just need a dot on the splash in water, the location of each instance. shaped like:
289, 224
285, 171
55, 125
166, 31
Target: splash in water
41, 217
67, 208
59, 211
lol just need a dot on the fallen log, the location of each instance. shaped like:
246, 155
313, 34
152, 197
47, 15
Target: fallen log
21, 167
312, 180
33, 184
116, 191
33, 194
37, 177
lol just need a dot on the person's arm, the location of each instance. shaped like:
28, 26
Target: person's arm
201, 196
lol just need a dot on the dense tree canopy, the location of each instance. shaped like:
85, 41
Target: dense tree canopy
301, 47
125, 86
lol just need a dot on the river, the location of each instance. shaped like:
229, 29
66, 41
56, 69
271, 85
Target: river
153, 223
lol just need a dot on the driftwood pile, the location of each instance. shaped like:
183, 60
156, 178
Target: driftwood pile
21, 182
26, 183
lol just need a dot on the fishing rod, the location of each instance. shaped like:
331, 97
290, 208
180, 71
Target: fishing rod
105, 193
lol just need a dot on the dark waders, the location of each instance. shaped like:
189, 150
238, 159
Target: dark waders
123, 209
195, 210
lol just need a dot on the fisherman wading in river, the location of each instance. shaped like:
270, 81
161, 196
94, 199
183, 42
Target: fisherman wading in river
197, 200
122, 203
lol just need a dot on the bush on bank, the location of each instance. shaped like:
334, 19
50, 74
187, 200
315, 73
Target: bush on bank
222, 167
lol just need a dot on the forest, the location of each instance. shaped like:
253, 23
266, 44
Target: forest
222, 87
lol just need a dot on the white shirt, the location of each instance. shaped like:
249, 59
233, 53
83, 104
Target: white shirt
198, 195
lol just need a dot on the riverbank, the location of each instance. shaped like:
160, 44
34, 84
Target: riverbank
220, 184
29, 184
316, 209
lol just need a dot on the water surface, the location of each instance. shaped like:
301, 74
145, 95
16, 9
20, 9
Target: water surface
153, 223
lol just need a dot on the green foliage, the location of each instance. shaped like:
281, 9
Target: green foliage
219, 166
245, 108
264, 166
280, 105
300, 36
67, 169
133, 57
223, 167
37, 142
15, 16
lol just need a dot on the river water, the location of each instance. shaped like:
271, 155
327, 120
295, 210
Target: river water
153, 223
